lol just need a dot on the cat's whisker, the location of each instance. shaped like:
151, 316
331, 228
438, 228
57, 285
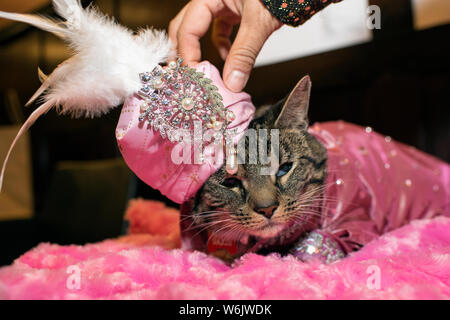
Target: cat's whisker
210, 223
229, 225
212, 214
208, 227
234, 233
205, 213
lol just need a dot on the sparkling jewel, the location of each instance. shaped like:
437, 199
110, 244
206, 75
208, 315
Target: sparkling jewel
157, 71
408, 182
177, 96
172, 65
368, 129
120, 133
145, 77
339, 182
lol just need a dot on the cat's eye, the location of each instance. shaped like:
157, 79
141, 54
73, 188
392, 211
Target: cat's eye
284, 169
232, 183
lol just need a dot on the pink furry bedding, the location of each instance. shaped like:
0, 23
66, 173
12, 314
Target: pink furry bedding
410, 263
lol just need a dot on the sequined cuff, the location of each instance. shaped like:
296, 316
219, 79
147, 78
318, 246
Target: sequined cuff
318, 245
295, 12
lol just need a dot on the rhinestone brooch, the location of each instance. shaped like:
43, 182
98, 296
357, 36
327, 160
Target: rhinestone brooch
177, 98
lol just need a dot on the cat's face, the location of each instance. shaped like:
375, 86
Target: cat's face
249, 203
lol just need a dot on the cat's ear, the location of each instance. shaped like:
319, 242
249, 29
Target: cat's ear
294, 114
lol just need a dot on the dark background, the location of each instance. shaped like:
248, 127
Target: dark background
399, 84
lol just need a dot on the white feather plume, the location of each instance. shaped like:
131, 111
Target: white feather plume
105, 66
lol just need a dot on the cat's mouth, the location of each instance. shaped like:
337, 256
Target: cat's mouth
278, 234
270, 230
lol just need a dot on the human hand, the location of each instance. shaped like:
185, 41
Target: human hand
256, 25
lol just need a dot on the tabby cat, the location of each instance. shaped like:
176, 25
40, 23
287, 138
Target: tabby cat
336, 187
272, 210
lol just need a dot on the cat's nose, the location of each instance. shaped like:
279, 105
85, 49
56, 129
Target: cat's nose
267, 211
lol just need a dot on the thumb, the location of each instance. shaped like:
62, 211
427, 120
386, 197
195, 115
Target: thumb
252, 35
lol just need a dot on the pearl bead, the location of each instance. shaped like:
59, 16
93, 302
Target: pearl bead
187, 118
230, 116
339, 182
232, 166
408, 182
368, 129
144, 106
217, 125
187, 103
172, 65
157, 83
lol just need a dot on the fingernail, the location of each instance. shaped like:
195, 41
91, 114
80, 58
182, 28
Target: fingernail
237, 80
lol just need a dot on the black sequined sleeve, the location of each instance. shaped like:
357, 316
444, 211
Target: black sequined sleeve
295, 12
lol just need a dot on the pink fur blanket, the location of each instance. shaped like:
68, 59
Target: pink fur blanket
410, 263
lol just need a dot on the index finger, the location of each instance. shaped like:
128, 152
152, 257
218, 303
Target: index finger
196, 22
175, 25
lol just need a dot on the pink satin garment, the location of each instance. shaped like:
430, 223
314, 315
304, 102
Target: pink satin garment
376, 184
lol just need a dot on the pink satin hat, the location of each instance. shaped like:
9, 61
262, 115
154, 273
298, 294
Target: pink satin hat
149, 155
